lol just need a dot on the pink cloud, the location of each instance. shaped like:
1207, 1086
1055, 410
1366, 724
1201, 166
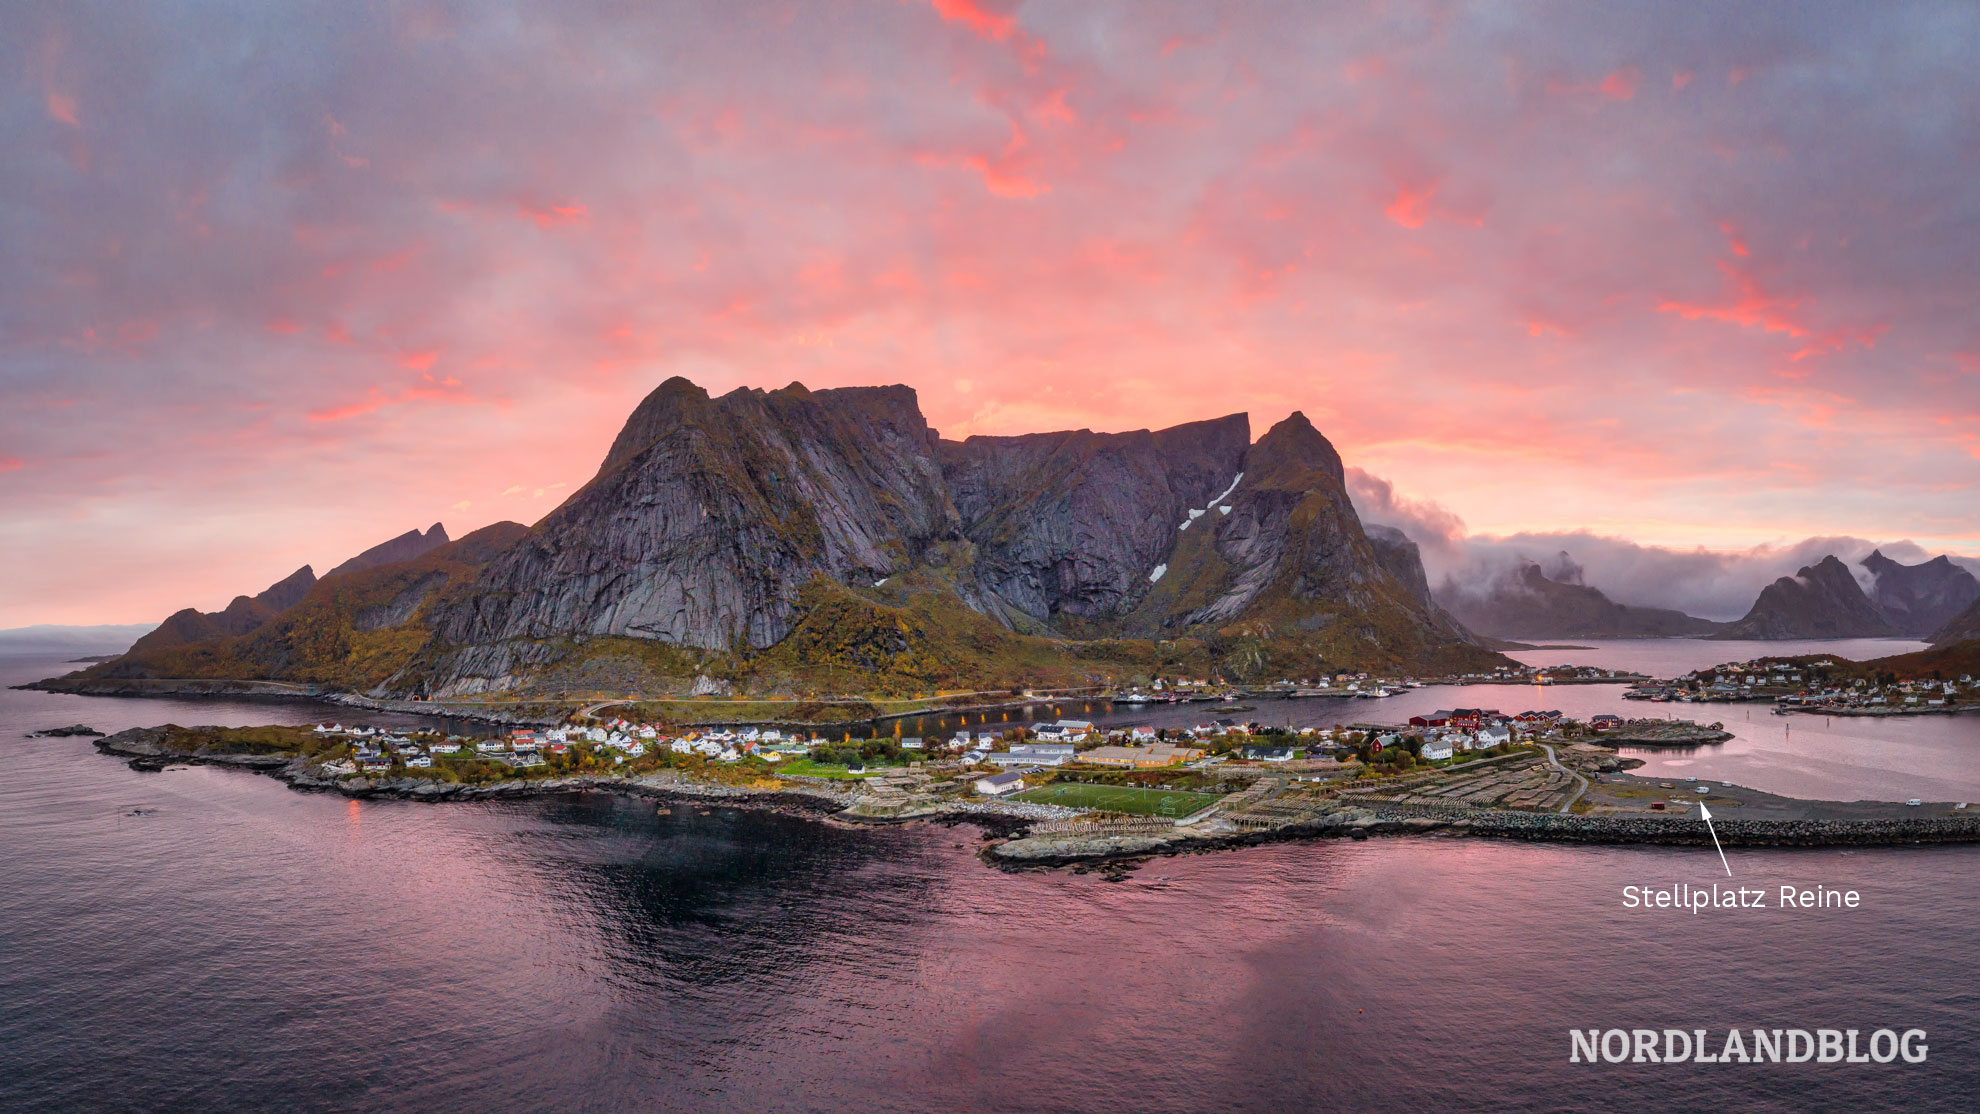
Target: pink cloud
990, 25
1115, 216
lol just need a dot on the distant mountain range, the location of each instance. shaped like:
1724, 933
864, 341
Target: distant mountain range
1823, 600
830, 541
1826, 600
1525, 603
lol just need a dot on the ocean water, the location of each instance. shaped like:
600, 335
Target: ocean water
207, 940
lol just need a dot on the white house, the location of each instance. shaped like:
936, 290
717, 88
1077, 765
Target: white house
997, 785
1435, 750
1491, 737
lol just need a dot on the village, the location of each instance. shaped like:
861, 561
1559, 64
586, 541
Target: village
1818, 685
1365, 686
1066, 770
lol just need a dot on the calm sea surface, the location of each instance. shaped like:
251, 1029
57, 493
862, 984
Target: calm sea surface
208, 940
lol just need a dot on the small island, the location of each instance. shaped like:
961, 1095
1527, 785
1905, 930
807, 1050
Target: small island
1666, 733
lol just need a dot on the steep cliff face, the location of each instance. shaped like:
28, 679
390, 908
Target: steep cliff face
1822, 600
1069, 526
1920, 599
710, 515
1401, 558
1403, 561
1526, 603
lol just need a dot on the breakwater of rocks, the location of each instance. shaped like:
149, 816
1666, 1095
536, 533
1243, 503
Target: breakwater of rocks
1687, 832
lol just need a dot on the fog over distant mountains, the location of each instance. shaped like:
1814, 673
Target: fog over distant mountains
1711, 584
48, 638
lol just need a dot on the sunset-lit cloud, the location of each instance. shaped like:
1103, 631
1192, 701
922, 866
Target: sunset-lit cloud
1654, 273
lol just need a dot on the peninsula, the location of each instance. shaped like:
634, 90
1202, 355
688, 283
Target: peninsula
1069, 793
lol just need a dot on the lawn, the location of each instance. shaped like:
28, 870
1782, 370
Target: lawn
805, 767
1119, 798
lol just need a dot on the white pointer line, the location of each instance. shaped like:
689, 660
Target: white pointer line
1706, 814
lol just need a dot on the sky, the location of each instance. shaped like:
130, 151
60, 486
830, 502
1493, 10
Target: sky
282, 281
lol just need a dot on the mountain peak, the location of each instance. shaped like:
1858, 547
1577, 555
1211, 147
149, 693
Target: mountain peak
1289, 453
1822, 600
664, 408
405, 547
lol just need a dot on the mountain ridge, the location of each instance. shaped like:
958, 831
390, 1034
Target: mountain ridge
1525, 603
795, 538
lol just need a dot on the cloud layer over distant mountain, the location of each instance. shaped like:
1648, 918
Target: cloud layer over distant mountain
1711, 584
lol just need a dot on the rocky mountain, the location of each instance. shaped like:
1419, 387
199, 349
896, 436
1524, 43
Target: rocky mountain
353, 630
798, 540
709, 517
248, 613
1822, 600
244, 614
1067, 526
1280, 564
405, 547
1920, 599
1525, 603
1402, 559
1960, 628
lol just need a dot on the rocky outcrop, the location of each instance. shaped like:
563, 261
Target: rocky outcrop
1920, 599
405, 547
1073, 525
1525, 603
71, 731
1822, 600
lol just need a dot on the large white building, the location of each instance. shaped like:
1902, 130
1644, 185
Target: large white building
997, 785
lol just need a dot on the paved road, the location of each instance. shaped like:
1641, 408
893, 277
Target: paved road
1557, 765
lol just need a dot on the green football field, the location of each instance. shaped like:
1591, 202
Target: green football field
1119, 798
